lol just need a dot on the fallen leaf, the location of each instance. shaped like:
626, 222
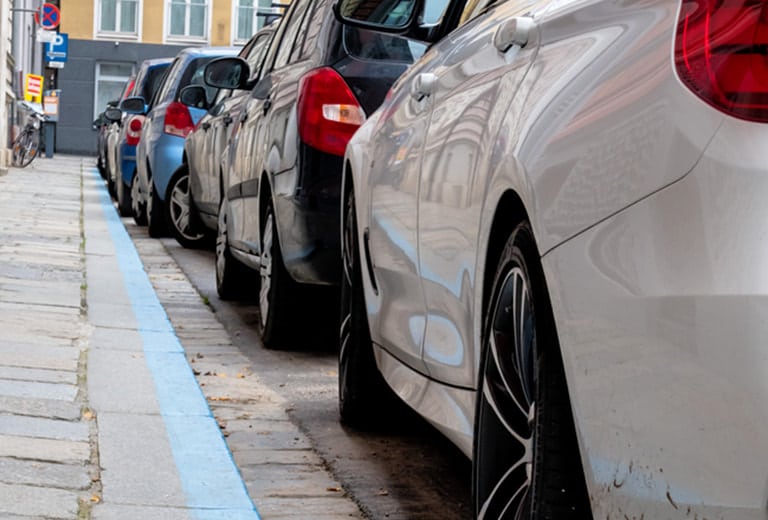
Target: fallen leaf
222, 375
88, 415
95, 499
241, 376
382, 492
196, 372
334, 489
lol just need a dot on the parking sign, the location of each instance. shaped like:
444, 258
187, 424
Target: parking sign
56, 50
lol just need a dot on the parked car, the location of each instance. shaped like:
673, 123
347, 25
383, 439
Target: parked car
280, 209
168, 121
101, 126
148, 80
553, 246
195, 188
111, 133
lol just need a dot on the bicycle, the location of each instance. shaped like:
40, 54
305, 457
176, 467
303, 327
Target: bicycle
27, 143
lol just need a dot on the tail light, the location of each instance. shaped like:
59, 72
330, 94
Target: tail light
178, 120
133, 133
329, 113
721, 54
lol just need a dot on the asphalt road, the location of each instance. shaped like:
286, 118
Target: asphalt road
407, 472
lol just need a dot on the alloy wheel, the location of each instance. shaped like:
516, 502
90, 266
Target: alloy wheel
507, 410
265, 268
179, 210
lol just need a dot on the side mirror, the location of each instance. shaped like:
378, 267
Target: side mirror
227, 72
391, 16
113, 115
134, 105
194, 96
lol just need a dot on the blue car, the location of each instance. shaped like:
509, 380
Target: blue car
148, 79
169, 119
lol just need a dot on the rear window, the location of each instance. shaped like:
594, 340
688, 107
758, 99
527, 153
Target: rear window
153, 81
370, 45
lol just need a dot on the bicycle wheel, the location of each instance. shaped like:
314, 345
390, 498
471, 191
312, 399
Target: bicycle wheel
25, 148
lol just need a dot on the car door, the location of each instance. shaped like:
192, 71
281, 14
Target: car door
482, 64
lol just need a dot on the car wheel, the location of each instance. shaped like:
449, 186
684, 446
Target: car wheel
232, 277
364, 396
138, 208
179, 212
124, 203
277, 291
156, 224
526, 461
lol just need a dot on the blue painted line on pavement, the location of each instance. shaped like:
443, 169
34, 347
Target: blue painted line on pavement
212, 484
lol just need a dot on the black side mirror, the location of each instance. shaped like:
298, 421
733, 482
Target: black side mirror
392, 16
194, 96
113, 115
227, 72
134, 105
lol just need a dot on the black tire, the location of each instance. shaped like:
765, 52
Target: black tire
124, 201
280, 303
138, 207
535, 473
232, 278
111, 184
25, 148
364, 396
180, 212
156, 223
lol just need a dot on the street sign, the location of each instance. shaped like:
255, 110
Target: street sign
45, 36
33, 88
51, 17
56, 50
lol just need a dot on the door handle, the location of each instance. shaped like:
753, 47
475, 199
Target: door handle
516, 31
206, 125
227, 120
423, 85
267, 105
243, 117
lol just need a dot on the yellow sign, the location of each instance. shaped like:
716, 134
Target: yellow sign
33, 88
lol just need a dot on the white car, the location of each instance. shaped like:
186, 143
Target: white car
555, 239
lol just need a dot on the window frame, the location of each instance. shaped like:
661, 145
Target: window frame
100, 34
258, 19
186, 38
98, 77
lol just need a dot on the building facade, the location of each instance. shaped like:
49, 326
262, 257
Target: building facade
108, 40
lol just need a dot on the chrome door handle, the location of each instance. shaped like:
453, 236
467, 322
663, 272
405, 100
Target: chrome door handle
206, 125
267, 105
227, 120
423, 85
516, 31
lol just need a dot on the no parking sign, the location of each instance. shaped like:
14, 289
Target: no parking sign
51, 17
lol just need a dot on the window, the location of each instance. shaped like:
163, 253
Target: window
110, 80
247, 18
118, 16
188, 19
293, 26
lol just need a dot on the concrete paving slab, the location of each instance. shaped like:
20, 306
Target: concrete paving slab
40, 408
105, 511
137, 462
112, 315
39, 375
119, 381
334, 507
49, 503
54, 355
108, 338
40, 427
51, 450
43, 474
38, 390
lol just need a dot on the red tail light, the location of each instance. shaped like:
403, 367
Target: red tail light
721, 54
329, 113
178, 120
133, 133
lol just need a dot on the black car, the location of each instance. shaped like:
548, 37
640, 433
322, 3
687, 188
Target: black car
280, 212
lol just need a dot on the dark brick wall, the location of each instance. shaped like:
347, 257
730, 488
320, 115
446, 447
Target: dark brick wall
76, 81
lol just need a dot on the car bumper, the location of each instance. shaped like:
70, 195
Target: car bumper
167, 152
309, 220
662, 314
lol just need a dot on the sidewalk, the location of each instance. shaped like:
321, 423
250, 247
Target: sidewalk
101, 415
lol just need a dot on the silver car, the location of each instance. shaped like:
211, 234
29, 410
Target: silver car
554, 237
